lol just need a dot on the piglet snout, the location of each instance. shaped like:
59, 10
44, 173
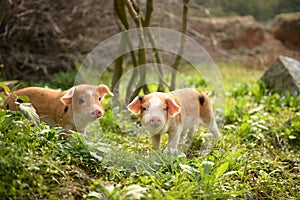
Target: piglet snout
96, 113
155, 121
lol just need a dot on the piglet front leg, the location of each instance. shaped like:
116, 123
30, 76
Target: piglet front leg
156, 141
174, 137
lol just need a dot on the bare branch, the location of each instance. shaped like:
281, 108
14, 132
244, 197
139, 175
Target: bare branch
120, 14
182, 43
119, 63
141, 52
149, 10
133, 13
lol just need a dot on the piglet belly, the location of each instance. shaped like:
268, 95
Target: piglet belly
190, 107
190, 121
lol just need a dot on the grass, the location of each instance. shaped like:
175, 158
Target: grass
257, 157
234, 74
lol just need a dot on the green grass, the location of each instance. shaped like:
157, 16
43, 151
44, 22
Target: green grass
234, 74
257, 157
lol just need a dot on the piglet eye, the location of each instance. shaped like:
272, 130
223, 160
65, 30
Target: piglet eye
144, 108
80, 100
99, 98
165, 108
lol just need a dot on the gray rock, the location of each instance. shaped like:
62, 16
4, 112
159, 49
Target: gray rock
283, 75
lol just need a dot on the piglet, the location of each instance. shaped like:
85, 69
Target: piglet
174, 113
72, 109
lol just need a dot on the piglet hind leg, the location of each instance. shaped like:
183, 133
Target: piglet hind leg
207, 119
186, 138
213, 128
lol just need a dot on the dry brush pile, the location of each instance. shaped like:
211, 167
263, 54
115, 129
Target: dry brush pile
39, 38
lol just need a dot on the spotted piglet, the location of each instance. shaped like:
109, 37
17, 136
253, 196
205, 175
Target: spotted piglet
174, 113
72, 109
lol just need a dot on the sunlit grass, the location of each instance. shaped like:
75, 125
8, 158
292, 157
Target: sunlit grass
256, 158
234, 74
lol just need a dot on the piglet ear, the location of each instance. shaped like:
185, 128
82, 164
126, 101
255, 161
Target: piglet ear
135, 105
104, 90
173, 107
67, 98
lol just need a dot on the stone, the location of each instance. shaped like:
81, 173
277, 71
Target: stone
286, 28
283, 75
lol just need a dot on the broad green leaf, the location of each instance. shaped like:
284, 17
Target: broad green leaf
95, 194
257, 109
292, 137
5, 87
222, 169
16, 87
109, 188
30, 113
262, 127
188, 169
230, 173
135, 191
207, 165
25, 99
